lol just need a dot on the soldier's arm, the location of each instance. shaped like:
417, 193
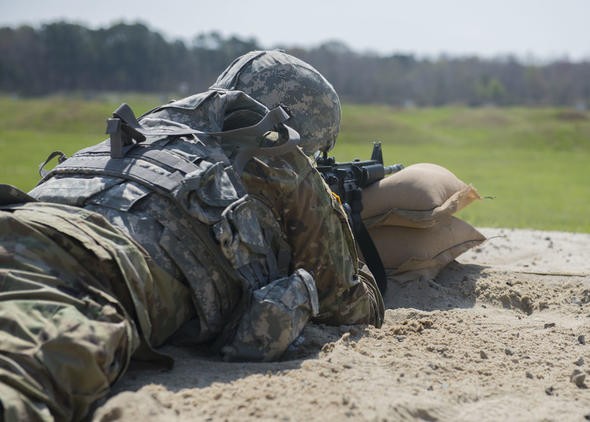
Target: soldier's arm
322, 242
320, 238
274, 318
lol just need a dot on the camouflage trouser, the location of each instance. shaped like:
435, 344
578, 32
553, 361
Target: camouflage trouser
77, 300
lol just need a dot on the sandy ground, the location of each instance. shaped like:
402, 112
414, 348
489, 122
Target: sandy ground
501, 334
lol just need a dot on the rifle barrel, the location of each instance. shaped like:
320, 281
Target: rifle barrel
392, 169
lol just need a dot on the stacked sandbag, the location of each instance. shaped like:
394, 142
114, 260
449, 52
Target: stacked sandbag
410, 218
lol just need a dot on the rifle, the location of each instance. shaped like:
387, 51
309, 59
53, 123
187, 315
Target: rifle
347, 181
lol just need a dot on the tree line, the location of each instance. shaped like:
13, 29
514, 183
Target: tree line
63, 57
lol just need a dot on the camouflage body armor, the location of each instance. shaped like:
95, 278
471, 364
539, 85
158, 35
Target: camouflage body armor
171, 182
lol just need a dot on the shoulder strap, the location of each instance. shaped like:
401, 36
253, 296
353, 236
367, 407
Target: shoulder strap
124, 128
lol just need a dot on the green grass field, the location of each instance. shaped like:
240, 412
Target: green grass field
533, 162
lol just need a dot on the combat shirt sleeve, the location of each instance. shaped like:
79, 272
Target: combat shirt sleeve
319, 235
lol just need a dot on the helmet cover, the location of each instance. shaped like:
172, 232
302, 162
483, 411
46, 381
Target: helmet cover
276, 78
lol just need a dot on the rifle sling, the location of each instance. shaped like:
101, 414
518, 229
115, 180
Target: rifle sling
372, 257
365, 242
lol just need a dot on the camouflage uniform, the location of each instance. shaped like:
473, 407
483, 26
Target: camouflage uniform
107, 268
73, 291
319, 235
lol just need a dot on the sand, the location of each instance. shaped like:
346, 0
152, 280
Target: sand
501, 334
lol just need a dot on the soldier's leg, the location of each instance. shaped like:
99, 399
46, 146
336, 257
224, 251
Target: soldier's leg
77, 299
59, 352
64, 339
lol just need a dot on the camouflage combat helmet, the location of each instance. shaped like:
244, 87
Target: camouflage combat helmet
274, 77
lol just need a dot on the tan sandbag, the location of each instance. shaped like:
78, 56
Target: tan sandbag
411, 254
420, 196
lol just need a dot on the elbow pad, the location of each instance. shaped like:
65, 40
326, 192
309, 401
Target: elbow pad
276, 316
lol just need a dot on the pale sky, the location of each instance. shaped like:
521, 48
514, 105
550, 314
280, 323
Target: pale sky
529, 29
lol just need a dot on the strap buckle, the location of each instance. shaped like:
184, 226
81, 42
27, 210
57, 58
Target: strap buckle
123, 128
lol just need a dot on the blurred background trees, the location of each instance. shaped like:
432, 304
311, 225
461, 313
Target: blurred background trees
65, 57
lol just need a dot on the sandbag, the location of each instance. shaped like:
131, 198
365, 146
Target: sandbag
412, 253
420, 196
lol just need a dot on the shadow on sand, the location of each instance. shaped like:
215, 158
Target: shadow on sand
454, 287
196, 368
